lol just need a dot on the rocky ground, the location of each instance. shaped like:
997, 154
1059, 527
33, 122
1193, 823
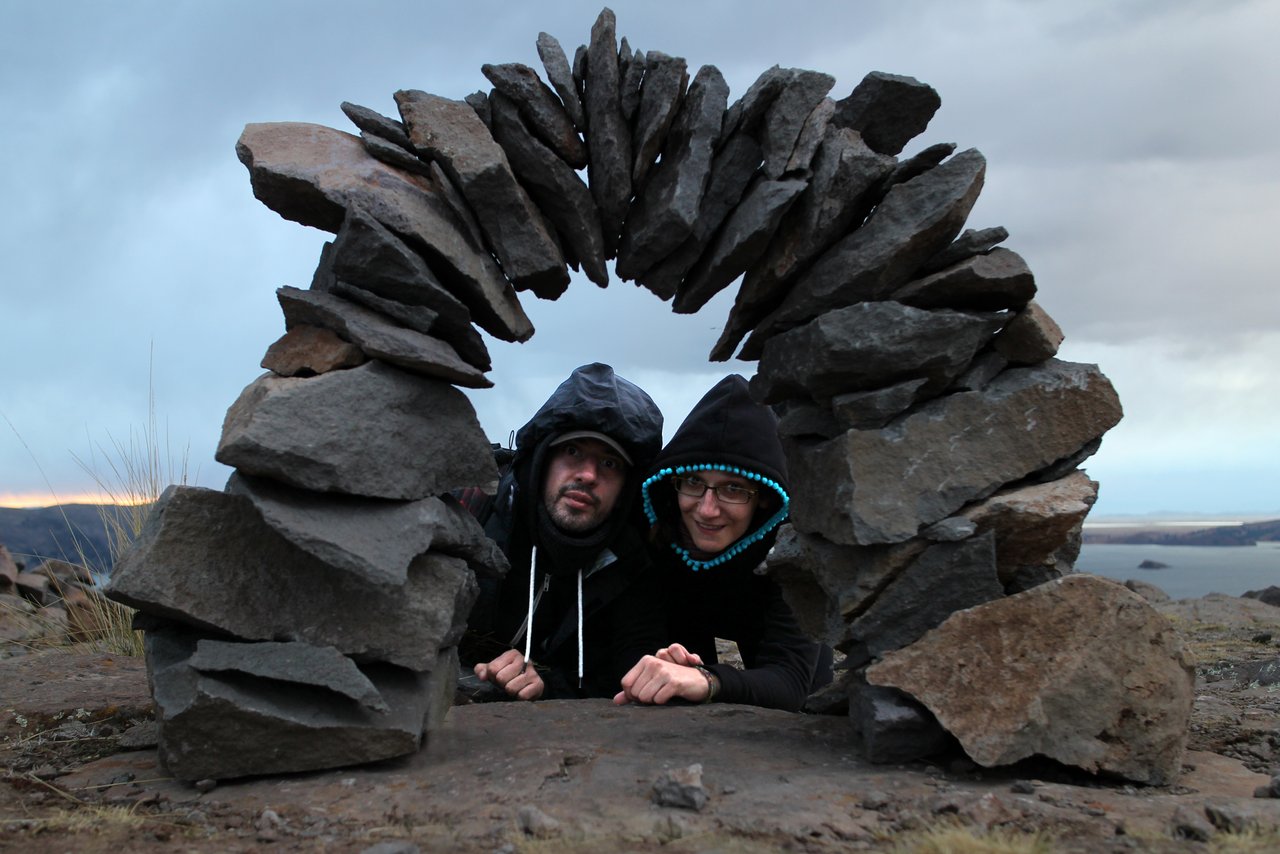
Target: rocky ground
81, 774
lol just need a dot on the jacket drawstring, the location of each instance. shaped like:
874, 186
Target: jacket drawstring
528, 620
579, 628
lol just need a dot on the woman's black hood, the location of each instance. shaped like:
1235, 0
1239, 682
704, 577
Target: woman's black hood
727, 431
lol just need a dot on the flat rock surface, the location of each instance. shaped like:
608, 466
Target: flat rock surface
579, 775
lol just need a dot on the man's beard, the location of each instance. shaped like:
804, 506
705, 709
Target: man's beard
571, 520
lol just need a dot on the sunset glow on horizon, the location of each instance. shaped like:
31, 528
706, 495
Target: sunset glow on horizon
24, 501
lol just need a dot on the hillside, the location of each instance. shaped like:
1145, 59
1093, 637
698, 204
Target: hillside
1247, 534
65, 532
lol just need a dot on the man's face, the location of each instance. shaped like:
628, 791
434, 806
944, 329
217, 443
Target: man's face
583, 481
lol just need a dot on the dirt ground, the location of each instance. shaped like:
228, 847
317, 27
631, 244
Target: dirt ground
81, 774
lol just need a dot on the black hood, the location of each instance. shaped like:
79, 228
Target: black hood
595, 398
729, 431
592, 398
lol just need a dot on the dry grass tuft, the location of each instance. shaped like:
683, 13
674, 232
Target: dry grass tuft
954, 838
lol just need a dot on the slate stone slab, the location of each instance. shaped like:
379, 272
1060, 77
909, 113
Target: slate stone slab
1031, 337
919, 163
556, 65
913, 222
378, 336
631, 71
945, 578
889, 110
556, 188
608, 137
305, 351
373, 122
451, 134
827, 585
996, 281
787, 115
223, 728
313, 174
372, 430
661, 94
293, 662
206, 559
1032, 522
974, 241
746, 114
731, 172
479, 101
811, 136
369, 264
871, 345
871, 410
879, 486
841, 192
739, 242
890, 727
543, 111
393, 155
1079, 670
374, 539
663, 214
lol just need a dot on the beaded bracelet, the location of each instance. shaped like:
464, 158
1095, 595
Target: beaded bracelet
713, 682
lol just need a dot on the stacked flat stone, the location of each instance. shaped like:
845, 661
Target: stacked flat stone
933, 439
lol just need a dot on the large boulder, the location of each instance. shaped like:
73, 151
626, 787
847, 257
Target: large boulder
207, 559
372, 430
1080, 670
882, 486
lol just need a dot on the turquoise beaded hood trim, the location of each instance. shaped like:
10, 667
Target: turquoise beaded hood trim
741, 545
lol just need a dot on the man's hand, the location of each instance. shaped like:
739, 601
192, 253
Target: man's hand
658, 678
508, 672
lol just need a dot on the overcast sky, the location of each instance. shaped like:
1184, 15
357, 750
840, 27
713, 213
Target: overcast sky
1132, 154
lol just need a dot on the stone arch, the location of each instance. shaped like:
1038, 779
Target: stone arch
931, 432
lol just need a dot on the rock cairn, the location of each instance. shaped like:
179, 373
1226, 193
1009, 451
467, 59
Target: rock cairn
933, 439
54, 603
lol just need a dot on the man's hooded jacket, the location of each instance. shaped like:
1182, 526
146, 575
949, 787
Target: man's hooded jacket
620, 618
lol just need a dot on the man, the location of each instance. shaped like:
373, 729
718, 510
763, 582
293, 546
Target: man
578, 606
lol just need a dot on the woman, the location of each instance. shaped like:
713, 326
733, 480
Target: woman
715, 498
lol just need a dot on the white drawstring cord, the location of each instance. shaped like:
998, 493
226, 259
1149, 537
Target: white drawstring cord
528, 625
579, 628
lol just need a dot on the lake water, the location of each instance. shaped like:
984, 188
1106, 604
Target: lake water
1192, 571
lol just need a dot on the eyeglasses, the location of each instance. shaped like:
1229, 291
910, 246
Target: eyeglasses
728, 493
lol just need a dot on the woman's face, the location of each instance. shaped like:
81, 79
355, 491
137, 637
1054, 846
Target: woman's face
712, 523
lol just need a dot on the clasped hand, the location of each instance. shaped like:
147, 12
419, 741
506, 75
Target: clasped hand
508, 672
669, 673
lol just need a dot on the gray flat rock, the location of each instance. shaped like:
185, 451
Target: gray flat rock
207, 560
374, 539
889, 110
465, 341
608, 137
451, 134
661, 93
996, 281
731, 172
739, 242
877, 486
842, 191
556, 65
787, 115
292, 661
309, 350
556, 188
312, 174
1030, 338
543, 111
871, 345
372, 122
871, 410
974, 241
379, 337
373, 430
913, 222
393, 155
663, 215
261, 729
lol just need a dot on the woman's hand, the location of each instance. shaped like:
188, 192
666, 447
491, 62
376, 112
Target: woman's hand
671, 673
508, 672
